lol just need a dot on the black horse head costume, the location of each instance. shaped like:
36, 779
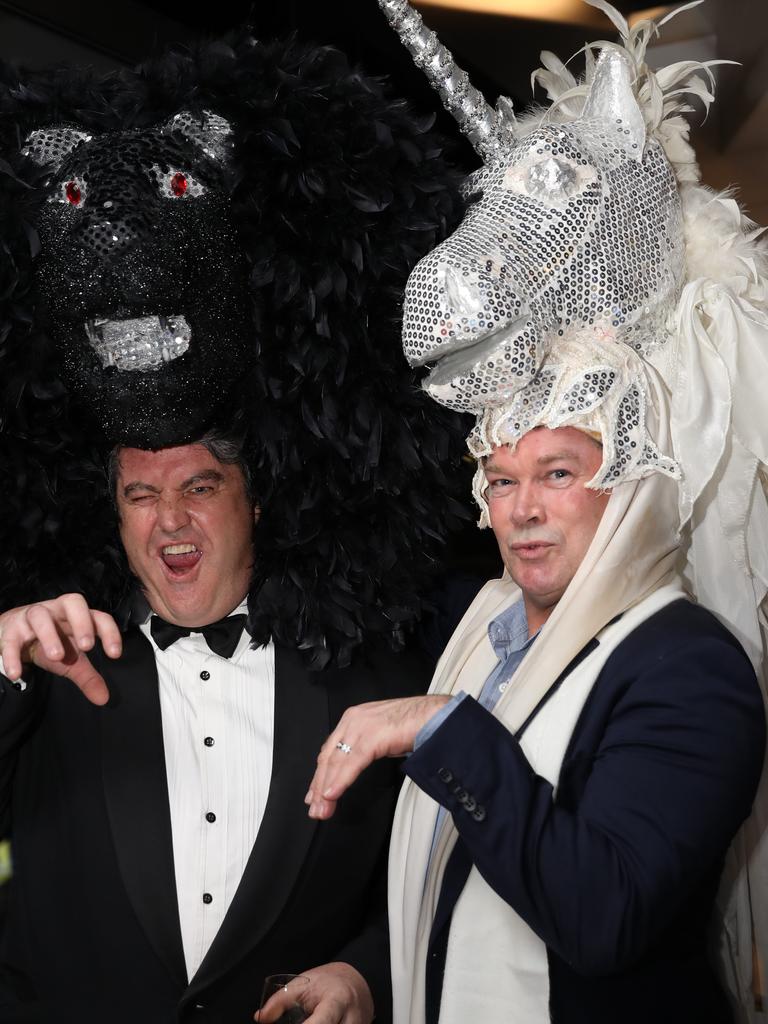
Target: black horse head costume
223, 235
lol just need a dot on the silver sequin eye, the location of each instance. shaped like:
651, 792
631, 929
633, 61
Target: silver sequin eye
549, 179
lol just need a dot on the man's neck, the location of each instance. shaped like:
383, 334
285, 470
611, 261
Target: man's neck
536, 615
207, 620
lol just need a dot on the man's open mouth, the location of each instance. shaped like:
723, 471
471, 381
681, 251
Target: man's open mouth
179, 558
144, 343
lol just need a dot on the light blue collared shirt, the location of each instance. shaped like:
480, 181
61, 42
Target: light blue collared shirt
508, 634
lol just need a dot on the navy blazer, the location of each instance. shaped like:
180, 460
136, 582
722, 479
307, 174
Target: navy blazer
93, 934
617, 870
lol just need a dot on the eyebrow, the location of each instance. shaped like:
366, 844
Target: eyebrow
138, 485
544, 460
206, 474
564, 456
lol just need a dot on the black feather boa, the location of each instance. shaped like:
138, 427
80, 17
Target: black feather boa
340, 191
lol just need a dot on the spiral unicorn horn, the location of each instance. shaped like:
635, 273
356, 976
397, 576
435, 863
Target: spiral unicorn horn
489, 130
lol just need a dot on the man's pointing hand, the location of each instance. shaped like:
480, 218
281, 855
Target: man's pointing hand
54, 635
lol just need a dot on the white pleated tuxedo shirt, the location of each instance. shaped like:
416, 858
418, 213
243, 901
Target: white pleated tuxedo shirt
218, 732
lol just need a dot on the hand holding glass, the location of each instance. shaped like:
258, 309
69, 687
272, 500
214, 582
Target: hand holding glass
283, 999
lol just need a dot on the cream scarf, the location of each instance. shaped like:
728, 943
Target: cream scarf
488, 939
633, 553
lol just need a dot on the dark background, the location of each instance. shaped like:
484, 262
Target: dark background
498, 50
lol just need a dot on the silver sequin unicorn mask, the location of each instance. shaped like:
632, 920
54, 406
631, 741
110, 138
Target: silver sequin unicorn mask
562, 274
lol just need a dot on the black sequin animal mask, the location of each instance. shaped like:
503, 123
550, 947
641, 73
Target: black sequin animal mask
141, 278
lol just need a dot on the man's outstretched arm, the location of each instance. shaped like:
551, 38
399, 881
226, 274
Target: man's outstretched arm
365, 733
673, 778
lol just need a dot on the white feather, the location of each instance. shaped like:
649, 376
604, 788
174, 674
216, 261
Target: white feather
610, 12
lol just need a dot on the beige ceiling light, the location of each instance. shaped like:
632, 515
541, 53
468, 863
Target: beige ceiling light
572, 12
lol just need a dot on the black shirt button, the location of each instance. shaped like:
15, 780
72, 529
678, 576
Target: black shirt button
210, 816
207, 898
205, 676
209, 741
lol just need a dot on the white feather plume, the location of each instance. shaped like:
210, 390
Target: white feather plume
663, 96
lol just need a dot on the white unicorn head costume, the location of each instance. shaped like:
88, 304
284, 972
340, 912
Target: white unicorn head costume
589, 257
595, 283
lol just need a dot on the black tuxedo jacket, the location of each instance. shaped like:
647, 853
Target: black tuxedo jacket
93, 932
617, 871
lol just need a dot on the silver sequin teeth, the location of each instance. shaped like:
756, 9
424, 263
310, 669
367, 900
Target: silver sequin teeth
144, 343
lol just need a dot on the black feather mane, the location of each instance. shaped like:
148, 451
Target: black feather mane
339, 191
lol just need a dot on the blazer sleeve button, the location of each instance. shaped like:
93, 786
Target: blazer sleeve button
445, 775
479, 813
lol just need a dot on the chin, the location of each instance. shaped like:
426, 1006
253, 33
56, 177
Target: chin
182, 608
531, 581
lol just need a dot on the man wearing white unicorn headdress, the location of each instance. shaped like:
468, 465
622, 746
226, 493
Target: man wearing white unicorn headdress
593, 738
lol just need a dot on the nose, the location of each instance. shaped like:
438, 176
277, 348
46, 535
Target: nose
109, 229
526, 506
107, 238
452, 300
172, 515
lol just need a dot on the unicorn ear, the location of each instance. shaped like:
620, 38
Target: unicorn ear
50, 146
505, 113
210, 132
612, 101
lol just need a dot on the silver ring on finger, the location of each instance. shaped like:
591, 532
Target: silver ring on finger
344, 747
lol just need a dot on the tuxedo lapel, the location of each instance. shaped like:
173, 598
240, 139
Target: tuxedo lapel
301, 726
137, 797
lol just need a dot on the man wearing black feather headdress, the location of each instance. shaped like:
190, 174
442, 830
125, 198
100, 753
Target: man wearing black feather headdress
200, 269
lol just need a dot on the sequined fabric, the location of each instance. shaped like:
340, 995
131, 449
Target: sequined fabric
488, 130
141, 277
144, 343
52, 145
569, 261
211, 133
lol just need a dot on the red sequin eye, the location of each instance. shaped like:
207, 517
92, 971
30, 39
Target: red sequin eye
179, 184
73, 193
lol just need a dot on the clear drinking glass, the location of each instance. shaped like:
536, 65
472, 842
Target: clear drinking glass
286, 994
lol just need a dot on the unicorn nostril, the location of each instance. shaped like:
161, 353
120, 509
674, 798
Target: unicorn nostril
462, 290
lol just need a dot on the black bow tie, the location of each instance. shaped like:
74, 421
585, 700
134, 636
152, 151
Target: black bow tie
222, 637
